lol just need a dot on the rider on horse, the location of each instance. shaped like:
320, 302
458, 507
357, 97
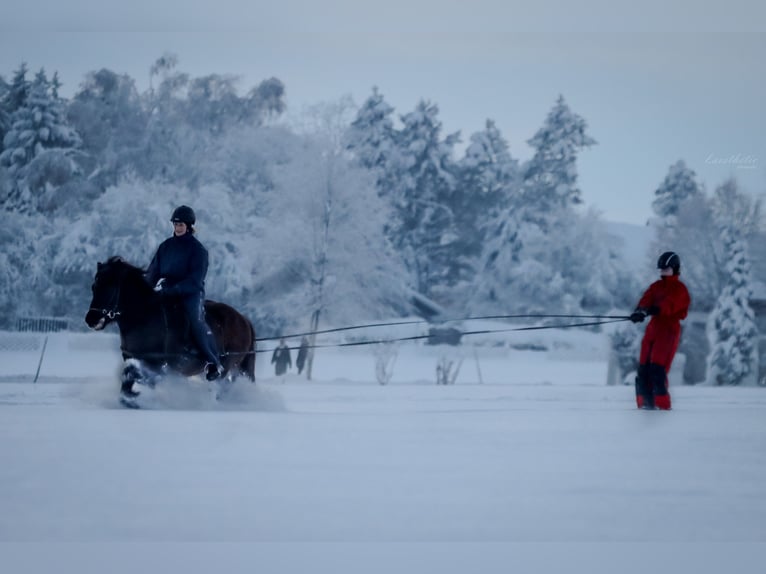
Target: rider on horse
178, 269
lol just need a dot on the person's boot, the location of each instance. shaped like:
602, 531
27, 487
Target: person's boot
644, 395
213, 371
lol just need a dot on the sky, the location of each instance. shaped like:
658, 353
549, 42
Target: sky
542, 467
656, 81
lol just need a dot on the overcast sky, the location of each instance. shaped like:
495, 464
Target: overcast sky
657, 81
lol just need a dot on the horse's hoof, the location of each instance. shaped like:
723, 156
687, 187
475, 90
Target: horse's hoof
129, 402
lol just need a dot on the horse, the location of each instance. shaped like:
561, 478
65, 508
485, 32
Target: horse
154, 336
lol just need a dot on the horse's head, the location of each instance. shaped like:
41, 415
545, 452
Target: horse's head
106, 293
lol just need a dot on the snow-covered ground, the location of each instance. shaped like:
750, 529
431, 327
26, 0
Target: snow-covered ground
528, 463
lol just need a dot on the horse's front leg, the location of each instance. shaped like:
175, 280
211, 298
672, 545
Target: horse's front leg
132, 373
137, 373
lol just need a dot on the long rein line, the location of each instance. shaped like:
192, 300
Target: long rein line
442, 321
462, 333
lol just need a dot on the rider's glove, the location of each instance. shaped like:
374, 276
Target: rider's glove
638, 315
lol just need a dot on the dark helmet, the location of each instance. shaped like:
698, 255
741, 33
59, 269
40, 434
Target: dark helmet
184, 214
669, 259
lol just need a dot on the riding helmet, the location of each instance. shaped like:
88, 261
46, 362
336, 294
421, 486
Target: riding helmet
669, 259
184, 214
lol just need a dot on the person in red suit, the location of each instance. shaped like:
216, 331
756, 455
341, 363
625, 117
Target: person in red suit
667, 302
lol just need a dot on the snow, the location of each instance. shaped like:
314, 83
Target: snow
539, 467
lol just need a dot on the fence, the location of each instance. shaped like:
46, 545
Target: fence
58, 356
41, 324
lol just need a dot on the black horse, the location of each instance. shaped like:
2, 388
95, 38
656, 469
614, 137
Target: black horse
154, 334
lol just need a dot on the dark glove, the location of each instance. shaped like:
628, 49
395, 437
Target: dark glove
653, 310
638, 316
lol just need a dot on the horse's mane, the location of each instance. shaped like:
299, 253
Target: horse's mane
118, 260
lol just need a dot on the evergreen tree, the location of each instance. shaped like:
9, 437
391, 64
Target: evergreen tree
5, 115
487, 184
500, 258
12, 97
679, 185
18, 91
550, 177
734, 332
424, 230
38, 147
371, 136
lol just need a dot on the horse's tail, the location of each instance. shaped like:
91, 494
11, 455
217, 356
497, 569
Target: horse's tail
248, 363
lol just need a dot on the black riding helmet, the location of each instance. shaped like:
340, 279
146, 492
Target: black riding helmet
184, 214
670, 259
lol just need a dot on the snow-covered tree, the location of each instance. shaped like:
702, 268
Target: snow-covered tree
39, 147
488, 183
568, 269
189, 118
5, 115
684, 223
550, 177
333, 258
680, 185
424, 226
14, 96
734, 333
108, 113
371, 136
500, 258
23, 261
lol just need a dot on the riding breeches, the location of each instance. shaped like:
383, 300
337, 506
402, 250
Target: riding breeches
203, 336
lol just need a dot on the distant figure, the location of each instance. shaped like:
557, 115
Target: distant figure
281, 358
303, 352
667, 302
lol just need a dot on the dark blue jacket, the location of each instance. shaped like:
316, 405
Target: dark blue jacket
182, 261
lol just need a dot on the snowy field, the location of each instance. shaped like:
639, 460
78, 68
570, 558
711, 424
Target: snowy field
528, 463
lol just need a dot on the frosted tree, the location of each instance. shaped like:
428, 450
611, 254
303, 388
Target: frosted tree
22, 257
108, 113
539, 252
488, 183
169, 143
679, 186
329, 258
550, 177
371, 136
188, 117
732, 321
14, 96
424, 229
500, 258
530, 269
5, 115
39, 147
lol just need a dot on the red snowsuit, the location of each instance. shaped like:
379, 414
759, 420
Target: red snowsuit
663, 333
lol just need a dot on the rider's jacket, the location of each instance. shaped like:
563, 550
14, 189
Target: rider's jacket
182, 261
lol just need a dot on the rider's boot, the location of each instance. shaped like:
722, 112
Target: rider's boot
213, 371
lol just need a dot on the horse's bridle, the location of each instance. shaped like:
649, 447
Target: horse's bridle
112, 313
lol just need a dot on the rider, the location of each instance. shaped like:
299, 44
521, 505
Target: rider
178, 269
